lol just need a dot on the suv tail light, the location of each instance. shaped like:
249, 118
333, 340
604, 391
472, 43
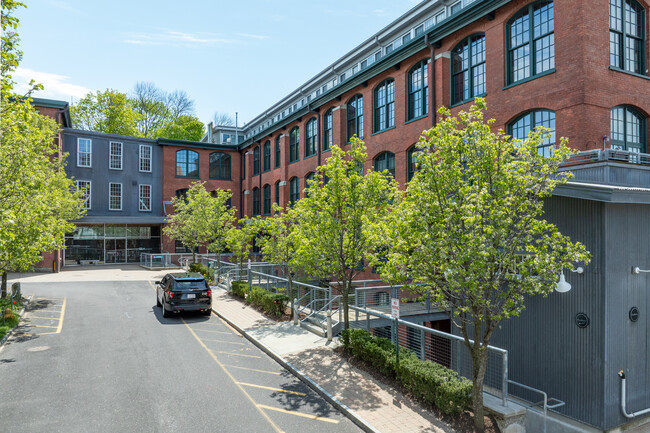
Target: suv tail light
209, 293
170, 294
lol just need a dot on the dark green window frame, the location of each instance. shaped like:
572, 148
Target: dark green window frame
385, 161
256, 201
418, 90
266, 160
278, 152
411, 163
311, 133
220, 166
627, 30
468, 69
355, 117
256, 161
277, 192
187, 164
384, 101
530, 39
294, 190
266, 193
628, 129
294, 145
328, 130
522, 125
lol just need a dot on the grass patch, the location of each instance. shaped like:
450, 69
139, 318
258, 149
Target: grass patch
11, 318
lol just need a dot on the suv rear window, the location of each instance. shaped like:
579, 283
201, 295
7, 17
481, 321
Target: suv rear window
190, 284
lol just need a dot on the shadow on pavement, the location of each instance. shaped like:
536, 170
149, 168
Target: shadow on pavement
175, 319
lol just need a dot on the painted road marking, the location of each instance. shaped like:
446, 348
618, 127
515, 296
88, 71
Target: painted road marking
315, 417
42, 326
38, 317
272, 389
58, 331
216, 332
235, 354
253, 369
224, 341
270, 421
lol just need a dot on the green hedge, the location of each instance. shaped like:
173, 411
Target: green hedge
272, 303
203, 270
426, 380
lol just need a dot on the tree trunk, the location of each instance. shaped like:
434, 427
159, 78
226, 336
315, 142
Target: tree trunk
290, 291
479, 365
3, 291
346, 311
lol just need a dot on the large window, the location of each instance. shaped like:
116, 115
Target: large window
531, 42
521, 126
328, 131
266, 162
294, 143
355, 117
626, 35
468, 69
115, 155
385, 161
418, 90
187, 164
256, 201
277, 192
145, 198
294, 190
84, 186
84, 152
220, 166
256, 161
278, 152
628, 129
384, 105
145, 158
114, 196
311, 131
411, 166
266, 191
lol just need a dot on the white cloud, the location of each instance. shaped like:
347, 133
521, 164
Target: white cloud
174, 38
252, 36
54, 85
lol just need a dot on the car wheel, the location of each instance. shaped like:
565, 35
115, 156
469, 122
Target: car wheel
165, 313
158, 304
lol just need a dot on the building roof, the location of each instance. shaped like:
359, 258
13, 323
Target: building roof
604, 192
53, 103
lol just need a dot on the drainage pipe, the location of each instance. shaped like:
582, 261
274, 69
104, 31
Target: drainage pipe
623, 398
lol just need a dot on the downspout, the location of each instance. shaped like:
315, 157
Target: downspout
623, 398
432, 80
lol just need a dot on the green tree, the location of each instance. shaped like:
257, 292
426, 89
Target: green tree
150, 103
239, 240
470, 232
182, 128
110, 111
199, 218
336, 217
37, 200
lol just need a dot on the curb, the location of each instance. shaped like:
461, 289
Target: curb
349, 413
11, 331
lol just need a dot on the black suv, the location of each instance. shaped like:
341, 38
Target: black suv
183, 291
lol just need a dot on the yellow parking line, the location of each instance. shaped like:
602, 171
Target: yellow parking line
253, 369
58, 331
224, 341
42, 326
235, 354
272, 389
315, 417
270, 421
215, 332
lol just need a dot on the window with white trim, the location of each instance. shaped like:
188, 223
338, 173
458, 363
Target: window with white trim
115, 155
145, 198
84, 187
84, 152
114, 196
145, 158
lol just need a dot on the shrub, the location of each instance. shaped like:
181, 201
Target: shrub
272, 303
203, 270
239, 288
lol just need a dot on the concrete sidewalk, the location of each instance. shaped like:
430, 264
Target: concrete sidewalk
371, 404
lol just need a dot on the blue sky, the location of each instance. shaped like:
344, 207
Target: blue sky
237, 56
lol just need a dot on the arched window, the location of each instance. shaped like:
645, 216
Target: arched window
277, 152
418, 90
294, 190
628, 129
266, 164
355, 116
385, 161
294, 143
181, 193
256, 201
626, 35
256, 161
266, 192
531, 41
468, 69
187, 163
277, 192
384, 105
220, 166
308, 181
328, 134
310, 137
411, 164
522, 125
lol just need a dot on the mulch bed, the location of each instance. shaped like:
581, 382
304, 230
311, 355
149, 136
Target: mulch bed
462, 423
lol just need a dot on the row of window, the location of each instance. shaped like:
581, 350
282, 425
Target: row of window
187, 165
115, 196
115, 155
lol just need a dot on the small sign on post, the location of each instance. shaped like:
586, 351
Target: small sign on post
394, 308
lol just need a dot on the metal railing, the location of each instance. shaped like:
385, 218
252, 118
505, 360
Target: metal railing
438, 346
596, 155
545, 403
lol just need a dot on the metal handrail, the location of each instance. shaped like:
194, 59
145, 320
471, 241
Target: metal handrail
544, 401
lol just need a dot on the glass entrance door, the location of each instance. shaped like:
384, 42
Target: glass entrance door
115, 250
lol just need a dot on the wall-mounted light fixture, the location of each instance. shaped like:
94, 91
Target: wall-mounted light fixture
562, 286
636, 270
578, 270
